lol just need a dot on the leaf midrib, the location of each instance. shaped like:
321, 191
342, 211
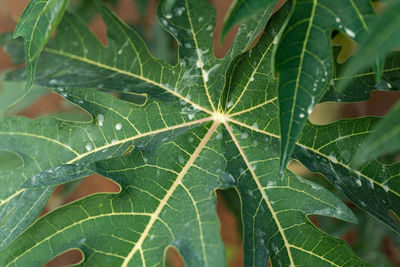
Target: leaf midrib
76, 223
303, 50
358, 173
164, 201
262, 191
124, 72
178, 181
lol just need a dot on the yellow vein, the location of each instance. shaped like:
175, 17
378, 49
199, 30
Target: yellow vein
367, 74
203, 246
41, 137
74, 224
251, 77
315, 255
358, 173
100, 65
164, 201
4, 201
199, 55
127, 38
33, 31
359, 15
80, 156
262, 191
253, 108
27, 213
303, 51
122, 141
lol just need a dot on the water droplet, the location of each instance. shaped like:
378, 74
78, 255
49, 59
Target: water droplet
181, 159
100, 119
250, 193
89, 147
276, 40
244, 135
53, 82
199, 63
118, 126
386, 188
350, 33
332, 157
179, 10
371, 184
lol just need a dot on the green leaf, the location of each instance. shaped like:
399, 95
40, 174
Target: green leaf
373, 187
304, 59
207, 124
36, 25
384, 140
66, 147
244, 9
383, 37
13, 47
361, 84
19, 207
12, 92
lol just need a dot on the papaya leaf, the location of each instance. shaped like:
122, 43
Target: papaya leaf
362, 83
244, 9
304, 59
207, 124
382, 39
11, 92
36, 25
384, 140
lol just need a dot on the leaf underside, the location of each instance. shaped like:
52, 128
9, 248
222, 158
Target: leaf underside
207, 124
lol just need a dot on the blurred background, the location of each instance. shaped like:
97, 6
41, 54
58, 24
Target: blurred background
371, 240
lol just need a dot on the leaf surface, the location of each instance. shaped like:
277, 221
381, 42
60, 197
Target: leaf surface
304, 59
362, 83
36, 25
171, 154
384, 140
61, 150
244, 9
381, 40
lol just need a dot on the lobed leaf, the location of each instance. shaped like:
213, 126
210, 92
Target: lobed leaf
36, 25
244, 9
361, 84
56, 151
186, 141
304, 60
381, 40
384, 140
